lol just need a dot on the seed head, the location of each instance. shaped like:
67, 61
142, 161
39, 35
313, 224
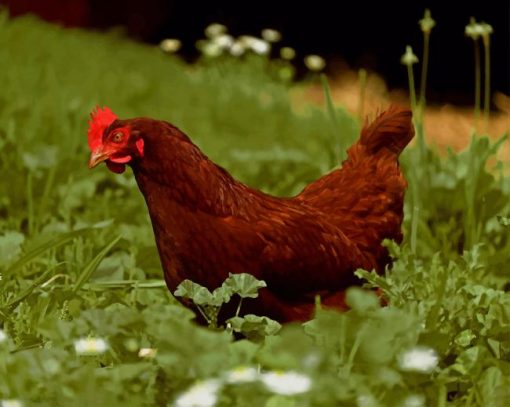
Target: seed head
486, 31
474, 30
427, 23
409, 58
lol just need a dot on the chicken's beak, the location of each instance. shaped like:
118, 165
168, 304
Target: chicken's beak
97, 157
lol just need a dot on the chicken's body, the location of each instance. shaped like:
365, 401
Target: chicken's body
208, 225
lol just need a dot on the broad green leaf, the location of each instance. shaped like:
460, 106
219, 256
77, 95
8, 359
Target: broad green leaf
195, 292
253, 326
465, 338
362, 300
244, 285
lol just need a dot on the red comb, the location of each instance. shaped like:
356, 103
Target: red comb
100, 119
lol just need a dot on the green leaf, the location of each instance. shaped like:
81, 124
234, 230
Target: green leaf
468, 361
491, 381
244, 285
503, 220
362, 300
195, 292
221, 295
465, 338
495, 347
253, 326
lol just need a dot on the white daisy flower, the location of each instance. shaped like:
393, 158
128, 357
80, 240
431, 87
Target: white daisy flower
419, 359
237, 49
315, 63
255, 44
11, 403
201, 394
90, 346
170, 45
3, 336
147, 353
414, 400
210, 49
214, 30
242, 374
287, 53
271, 35
225, 41
286, 383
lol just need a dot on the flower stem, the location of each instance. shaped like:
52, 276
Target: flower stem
207, 319
412, 92
239, 306
487, 98
424, 70
477, 83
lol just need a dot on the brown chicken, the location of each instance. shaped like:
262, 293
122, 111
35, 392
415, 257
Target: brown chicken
207, 224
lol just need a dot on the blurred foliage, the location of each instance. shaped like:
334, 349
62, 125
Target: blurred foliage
78, 259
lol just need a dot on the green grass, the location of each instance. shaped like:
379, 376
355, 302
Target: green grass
66, 274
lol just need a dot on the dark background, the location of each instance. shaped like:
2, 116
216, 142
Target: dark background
371, 35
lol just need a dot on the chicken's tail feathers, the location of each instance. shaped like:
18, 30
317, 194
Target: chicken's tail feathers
392, 129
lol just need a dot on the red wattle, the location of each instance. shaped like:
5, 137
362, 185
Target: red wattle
115, 167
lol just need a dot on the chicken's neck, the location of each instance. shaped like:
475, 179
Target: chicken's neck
187, 178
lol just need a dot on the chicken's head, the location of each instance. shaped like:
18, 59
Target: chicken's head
111, 142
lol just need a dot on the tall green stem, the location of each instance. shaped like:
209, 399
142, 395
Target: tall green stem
412, 91
424, 70
238, 310
487, 96
478, 77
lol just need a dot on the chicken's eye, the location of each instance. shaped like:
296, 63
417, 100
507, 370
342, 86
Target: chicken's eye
117, 137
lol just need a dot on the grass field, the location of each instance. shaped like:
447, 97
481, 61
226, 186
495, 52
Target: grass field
78, 258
